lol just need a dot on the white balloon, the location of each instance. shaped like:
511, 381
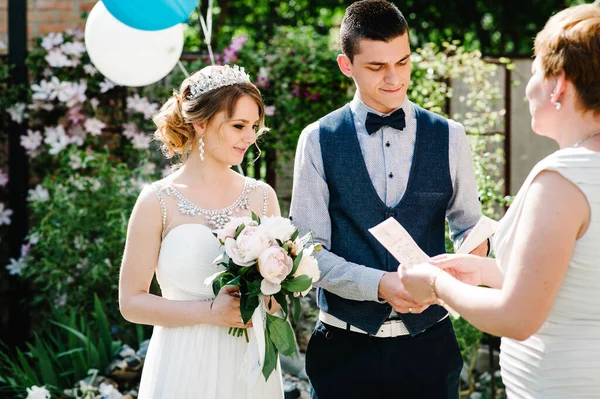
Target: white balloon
129, 56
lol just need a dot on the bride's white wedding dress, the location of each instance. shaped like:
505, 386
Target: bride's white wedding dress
199, 361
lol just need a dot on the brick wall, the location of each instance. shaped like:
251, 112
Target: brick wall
45, 16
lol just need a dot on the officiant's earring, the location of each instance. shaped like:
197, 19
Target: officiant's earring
201, 148
557, 104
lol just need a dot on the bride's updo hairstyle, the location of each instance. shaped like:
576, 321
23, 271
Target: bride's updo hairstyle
207, 92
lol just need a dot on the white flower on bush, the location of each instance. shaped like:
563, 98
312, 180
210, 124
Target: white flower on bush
141, 141
78, 135
34, 238
60, 300
310, 267
72, 93
45, 90
130, 130
94, 126
106, 85
52, 40
228, 231
5, 215
56, 138
3, 179
90, 69
277, 227
274, 266
57, 59
148, 168
36, 392
142, 105
269, 110
16, 266
245, 249
31, 141
108, 391
75, 48
38, 194
17, 112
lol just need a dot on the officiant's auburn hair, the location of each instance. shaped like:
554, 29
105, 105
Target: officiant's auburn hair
370, 19
570, 42
174, 122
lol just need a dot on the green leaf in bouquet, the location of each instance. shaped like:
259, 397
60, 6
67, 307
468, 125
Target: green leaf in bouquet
255, 218
270, 357
239, 230
280, 297
248, 303
281, 334
220, 281
296, 263
253, 287
235, 281
295, 235
298, 284
297, 308
279, 242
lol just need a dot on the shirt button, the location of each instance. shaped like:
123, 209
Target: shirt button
387, 144
391, 175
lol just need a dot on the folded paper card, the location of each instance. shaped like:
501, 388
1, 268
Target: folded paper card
394, 237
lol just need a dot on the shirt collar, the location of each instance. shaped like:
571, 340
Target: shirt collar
360, 109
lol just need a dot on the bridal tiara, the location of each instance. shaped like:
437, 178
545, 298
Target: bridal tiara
215, 78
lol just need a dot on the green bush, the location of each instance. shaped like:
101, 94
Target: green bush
68, 347
74, 249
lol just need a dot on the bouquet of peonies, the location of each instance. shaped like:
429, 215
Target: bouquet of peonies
267, 261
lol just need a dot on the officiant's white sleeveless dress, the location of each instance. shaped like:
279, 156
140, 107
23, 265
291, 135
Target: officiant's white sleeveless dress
562, 359
200, 361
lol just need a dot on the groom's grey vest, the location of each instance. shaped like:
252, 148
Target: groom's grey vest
354, 207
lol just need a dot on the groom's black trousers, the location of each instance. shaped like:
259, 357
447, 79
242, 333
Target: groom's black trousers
349, 365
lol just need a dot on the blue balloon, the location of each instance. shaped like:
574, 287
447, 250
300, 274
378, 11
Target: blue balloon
151, 14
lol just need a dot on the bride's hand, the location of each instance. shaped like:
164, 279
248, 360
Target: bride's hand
225, 309
466, 268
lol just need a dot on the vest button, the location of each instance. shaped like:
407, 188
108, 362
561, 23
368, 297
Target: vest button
390, 214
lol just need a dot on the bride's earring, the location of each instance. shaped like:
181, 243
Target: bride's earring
201, 148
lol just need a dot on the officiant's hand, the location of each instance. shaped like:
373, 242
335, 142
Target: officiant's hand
417, 281
225, 309
465, 268
394, 293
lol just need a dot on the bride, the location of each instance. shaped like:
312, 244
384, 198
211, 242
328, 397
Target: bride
210, 123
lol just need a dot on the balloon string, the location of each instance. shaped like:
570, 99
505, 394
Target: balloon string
185, 72
207, 29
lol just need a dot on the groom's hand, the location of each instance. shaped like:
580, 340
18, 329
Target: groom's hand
392, 291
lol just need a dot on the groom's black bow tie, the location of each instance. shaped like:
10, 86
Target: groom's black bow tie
395, 120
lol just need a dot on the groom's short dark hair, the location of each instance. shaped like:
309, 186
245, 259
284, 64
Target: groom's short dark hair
370, 19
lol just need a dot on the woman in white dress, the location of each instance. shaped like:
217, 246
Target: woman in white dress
210, 123
545, 281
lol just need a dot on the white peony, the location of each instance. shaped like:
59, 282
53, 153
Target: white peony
277, 227
274, 266
228, 231
36, 392
247, 247
310, 267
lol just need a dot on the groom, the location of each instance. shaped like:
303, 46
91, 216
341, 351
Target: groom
380, 156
